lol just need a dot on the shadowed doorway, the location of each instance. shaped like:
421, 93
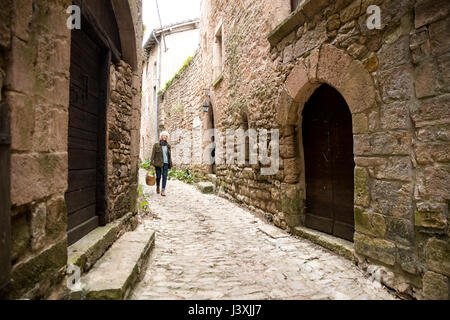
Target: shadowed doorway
329, 163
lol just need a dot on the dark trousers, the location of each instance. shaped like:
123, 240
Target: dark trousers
164, 170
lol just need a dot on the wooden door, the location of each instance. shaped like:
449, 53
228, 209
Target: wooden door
86, 141
329, 163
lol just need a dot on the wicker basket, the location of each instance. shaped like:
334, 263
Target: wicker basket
150, 179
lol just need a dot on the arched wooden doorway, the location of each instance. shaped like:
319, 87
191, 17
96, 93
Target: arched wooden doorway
93, 47
329, 163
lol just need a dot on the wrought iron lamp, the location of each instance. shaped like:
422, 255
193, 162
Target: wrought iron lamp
206, 101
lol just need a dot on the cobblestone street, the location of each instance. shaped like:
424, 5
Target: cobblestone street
209, 248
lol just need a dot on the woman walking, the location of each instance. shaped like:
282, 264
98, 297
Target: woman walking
162, 161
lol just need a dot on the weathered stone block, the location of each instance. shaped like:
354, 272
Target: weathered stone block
374, 120
438, 256
291, 170
439, 35
22, 121
333, 65
20, 236
287, 147
430, 153
435, 220
360, 123
371, 62
435, 182
382, 143
431, 109
311, 39
333, 22
37, 176
395, 115
297, 80
374, 248
407, 258
400, 230
395, 54
310, 8
361, 187
397, 84
23, 11
42, 267
429, 11
371, 224
435, 286
56, 225
443, 67
434, 133
425, 79
37, 226
351, 12
19, 75
50, 130
392, 168
392, 198
357, 51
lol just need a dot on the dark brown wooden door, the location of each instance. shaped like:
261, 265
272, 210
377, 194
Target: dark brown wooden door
86, 139
329, 164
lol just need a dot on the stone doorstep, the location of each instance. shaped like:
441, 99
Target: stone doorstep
114, 275
205, 187
340, 246
273, 231
86, 251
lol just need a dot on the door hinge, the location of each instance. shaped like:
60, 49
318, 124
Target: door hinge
5, 140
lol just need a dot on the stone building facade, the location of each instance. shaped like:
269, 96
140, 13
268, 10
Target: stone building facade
165, 52
266, 67
70, 104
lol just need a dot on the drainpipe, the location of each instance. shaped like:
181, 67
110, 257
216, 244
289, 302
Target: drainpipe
158, 85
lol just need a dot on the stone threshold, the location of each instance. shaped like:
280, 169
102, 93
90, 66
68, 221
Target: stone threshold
85, 252
114, 275
337, 245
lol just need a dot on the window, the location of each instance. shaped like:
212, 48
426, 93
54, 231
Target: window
294, 4
218, 52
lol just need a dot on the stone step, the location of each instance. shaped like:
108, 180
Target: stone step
205, 187
340, 246
86, 251
114, 274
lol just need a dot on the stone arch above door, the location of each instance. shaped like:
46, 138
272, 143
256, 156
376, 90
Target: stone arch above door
330, 65
125, 23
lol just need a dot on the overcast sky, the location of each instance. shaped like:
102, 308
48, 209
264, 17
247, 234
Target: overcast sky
171, 11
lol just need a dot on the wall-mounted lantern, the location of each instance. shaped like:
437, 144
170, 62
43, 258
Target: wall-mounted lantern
207, 100
205, 107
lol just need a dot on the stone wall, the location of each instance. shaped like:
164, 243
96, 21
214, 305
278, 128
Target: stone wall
395, 83
181, 108
34, 78
37, 93
119, 141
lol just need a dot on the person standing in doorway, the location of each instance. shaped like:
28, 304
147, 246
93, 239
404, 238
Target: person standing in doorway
162, 161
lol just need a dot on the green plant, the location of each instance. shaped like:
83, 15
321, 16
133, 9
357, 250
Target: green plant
186, 63
143, 201
147, 165
182, 175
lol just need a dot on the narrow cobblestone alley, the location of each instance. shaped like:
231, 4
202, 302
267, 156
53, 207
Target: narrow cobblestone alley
209, 248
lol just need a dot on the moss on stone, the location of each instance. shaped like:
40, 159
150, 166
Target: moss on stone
44, 266
361, 186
